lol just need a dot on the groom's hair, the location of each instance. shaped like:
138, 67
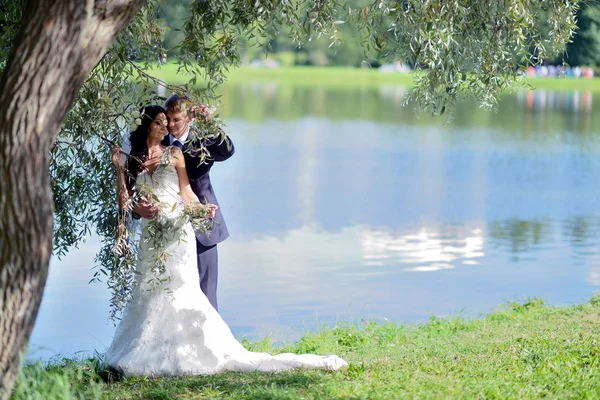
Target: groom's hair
177, 103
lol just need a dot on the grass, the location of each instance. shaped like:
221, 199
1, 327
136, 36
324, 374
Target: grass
349, 77
331, 76
521, 351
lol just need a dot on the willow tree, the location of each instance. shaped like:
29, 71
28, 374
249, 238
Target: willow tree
72, 70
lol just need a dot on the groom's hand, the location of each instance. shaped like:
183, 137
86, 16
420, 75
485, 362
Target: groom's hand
212, 210
145, 209
202, 112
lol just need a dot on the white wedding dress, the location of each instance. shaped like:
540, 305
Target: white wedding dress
174, 330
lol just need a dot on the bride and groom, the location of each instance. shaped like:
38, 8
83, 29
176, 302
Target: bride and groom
177, 330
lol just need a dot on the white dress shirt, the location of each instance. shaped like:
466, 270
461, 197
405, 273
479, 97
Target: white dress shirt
182, 139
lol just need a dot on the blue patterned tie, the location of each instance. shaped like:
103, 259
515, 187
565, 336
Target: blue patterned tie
177, 143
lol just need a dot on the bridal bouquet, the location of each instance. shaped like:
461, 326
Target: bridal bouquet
165, 228
199, 216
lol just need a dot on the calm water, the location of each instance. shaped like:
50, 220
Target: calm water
344, 206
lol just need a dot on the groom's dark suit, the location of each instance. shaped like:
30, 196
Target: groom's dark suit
206, 245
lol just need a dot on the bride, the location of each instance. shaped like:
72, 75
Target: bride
173, 329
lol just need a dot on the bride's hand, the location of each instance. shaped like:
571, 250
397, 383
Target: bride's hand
116, 157
146, 209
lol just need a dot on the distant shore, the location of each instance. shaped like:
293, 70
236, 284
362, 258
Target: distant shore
522, 350
355, 77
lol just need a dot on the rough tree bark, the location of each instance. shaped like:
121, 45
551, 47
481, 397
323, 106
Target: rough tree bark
59, 43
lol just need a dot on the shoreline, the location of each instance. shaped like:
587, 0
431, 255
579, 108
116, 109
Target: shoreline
356, 77
520, 350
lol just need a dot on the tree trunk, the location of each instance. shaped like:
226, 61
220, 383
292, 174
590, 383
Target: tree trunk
60, 41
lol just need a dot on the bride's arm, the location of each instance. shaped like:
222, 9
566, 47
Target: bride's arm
184, 183
122, 192
189, 197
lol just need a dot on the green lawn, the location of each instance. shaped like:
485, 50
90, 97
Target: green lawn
521, 351
351, 77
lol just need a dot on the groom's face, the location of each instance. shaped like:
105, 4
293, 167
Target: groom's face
178, 123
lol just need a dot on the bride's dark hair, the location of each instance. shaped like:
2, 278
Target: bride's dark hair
137, 139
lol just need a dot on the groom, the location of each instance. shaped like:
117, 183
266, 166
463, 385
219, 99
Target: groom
180, 114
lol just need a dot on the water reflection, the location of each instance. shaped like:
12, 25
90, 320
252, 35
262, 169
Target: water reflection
519, 236
427, 250
342, 205
546, 99
280, 285
385, 104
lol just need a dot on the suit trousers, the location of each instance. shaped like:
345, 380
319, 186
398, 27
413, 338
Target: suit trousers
208, 271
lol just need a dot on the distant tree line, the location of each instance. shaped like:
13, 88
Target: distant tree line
584, 50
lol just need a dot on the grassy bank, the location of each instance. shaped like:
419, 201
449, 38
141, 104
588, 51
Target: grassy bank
300, 76
520, 351
350, 77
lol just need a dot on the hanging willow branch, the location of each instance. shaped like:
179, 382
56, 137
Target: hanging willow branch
459, 49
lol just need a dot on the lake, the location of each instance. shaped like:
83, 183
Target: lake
345, 206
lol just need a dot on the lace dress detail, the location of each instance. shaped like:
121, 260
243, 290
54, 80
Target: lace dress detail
174, 330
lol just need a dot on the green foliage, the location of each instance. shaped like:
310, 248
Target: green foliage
174, 17
349, 52
468, 48
585, 47
10, 18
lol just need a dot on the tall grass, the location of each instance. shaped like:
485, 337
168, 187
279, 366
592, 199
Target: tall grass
521, 351
63, 379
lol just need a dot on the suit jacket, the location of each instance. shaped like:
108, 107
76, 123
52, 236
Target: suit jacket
199, 175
